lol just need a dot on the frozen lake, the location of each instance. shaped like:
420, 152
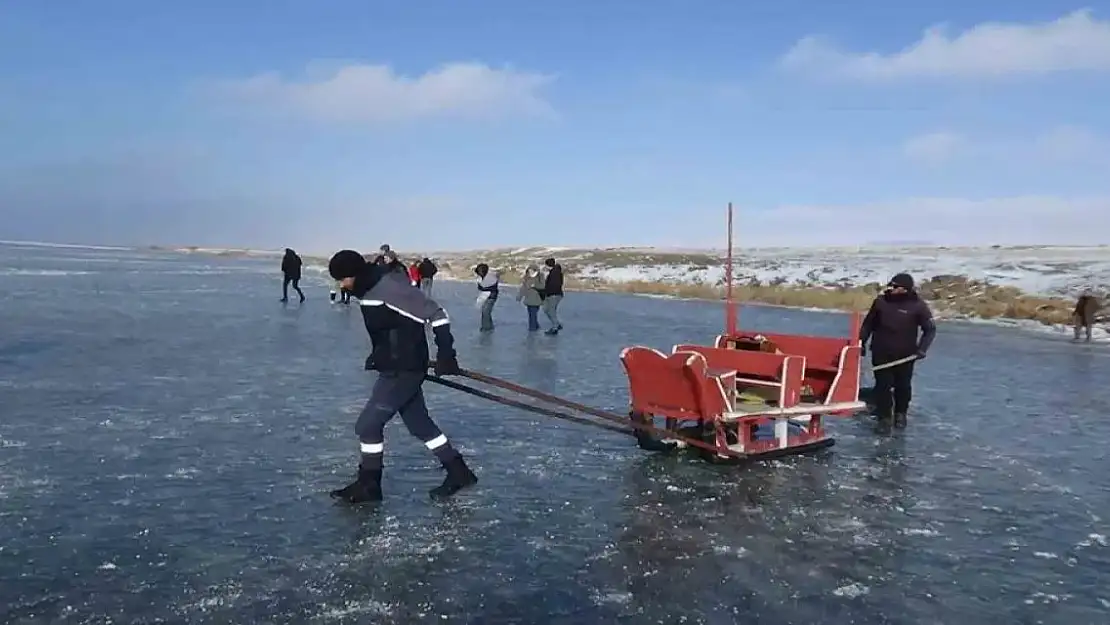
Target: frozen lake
169, 432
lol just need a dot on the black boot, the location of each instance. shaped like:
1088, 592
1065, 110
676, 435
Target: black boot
883, 419
368, 487
899, 419
459, 476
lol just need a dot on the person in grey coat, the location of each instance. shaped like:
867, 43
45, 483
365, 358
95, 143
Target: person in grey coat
529, 295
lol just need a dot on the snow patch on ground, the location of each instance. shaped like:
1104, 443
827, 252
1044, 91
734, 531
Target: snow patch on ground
1048, 271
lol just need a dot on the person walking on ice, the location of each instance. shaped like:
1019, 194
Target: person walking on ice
1086, 307
552, 294
395, 315
892, 326
291, 272
344, 294
529, 295
488, 282
428, 271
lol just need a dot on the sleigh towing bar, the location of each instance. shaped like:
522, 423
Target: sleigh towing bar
616, 423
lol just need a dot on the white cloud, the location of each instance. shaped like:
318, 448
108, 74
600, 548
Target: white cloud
1074, 42
1061, 144
1023, 220
376, 94
1070, 143
933, 148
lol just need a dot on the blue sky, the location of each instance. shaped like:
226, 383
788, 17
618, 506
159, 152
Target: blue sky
447, 125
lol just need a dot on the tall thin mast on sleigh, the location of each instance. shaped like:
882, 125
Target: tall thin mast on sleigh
730, 304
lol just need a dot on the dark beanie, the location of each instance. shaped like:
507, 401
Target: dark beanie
346, 264
903, 280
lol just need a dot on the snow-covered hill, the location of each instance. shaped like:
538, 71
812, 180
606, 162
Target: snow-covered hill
1044, 271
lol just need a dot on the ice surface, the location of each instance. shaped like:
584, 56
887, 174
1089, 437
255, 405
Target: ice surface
168, 432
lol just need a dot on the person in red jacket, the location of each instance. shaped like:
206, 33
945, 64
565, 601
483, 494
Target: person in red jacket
414, 273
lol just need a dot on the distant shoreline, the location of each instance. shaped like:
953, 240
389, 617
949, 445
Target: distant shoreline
747, 249
951, 297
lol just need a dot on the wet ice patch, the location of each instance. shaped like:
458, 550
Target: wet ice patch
215, 598
393, 542
1045, 598
610, 597
184, 473
921, 531
851, 591
867, 538
364, 608
606, 553
1093, 540
729, 550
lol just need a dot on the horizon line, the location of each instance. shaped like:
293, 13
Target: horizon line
523, 248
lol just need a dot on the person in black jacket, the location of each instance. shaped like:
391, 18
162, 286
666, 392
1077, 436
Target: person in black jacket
291, 269
428, 271
892, 326
395, 315
552, 294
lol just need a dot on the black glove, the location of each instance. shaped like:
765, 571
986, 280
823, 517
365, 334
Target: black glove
447, 365
863, 349
920, 355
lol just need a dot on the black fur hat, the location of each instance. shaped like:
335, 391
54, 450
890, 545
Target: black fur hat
346, 264
903, 280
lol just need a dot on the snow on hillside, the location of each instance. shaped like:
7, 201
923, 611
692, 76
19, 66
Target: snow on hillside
1054, 271
1050, 271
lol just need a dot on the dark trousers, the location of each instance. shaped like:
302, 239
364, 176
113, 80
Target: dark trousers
533, 317
401, 392
893, 388
1084, 324
296, 282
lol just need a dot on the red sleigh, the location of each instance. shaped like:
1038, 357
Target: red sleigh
751, 394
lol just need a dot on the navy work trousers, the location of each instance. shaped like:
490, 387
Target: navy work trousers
398, 392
